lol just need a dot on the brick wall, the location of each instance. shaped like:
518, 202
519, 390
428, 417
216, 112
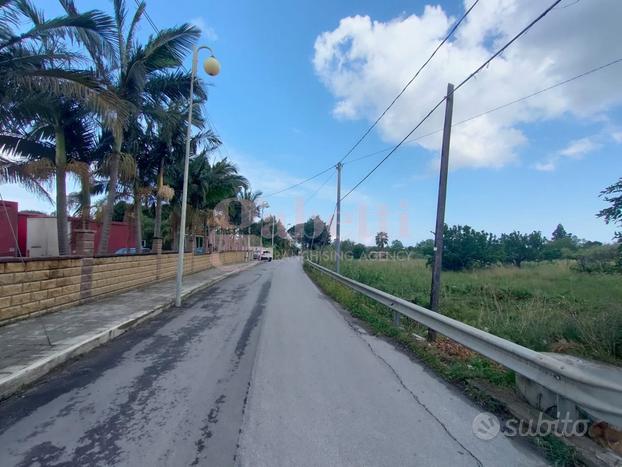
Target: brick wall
45, 285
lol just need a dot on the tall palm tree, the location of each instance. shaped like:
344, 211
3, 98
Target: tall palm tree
167, 128
46, 100
140, 73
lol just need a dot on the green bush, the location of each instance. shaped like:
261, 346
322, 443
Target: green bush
603, 258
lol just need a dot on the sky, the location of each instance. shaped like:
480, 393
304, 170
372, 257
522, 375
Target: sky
302, 81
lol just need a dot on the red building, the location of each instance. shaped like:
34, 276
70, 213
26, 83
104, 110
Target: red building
122, 235
14, 227
8, 228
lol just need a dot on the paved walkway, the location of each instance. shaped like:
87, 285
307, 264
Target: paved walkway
32, 347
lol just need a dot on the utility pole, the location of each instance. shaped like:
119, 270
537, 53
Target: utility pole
440, 208
338, 229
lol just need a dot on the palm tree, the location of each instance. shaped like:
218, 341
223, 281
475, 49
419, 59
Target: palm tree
250, 198
48, 101
139, 74
58, 132
208, 185
167, 128
382, 240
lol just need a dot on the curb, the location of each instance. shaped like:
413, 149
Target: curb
40, 367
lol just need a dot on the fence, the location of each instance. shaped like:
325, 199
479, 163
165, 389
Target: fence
42, 285
600, 396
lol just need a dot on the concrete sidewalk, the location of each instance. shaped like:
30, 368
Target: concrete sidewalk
26, 353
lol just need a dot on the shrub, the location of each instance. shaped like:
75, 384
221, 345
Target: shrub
602, 258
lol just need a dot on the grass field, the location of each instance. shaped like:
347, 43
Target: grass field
544, 306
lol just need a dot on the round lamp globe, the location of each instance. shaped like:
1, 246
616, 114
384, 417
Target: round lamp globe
211, 66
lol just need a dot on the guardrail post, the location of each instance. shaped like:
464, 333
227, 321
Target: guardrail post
396, 319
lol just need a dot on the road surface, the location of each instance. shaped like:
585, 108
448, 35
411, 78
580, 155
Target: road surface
259, 370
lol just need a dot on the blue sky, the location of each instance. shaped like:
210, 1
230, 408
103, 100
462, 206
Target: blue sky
301, 81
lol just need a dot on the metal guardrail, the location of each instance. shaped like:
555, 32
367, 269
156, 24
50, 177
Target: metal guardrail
599, 396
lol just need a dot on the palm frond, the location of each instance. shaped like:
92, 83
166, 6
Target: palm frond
64, 26
14, 172
119, 16
131, 33
40, 169
101, 44
173, 85
26, 148
127, 167
167, 49
81, 169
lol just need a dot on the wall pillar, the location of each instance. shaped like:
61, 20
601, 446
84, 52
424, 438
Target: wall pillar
85, 242
156, 247
85, 247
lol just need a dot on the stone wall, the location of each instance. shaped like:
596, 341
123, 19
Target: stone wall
43, 285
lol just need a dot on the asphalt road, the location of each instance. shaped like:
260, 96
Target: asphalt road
259, 370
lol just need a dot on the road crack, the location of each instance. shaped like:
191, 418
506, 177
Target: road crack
412, 394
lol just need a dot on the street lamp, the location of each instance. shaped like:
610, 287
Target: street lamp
212, 68
273, 218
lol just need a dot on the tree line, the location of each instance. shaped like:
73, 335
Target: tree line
466, 248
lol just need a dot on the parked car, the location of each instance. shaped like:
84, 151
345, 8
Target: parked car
131, 251
266, 255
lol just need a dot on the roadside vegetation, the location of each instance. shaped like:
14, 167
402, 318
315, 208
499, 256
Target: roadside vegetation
548, 306
86, 94
561, 294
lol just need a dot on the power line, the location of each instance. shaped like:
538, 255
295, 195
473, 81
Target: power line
494, 109
300, 183
451, 32
330, 176
462, 83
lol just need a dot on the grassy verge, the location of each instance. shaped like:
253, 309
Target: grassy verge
455, 363
544, 306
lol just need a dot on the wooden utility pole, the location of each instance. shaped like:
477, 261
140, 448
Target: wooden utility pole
440, 208
338, 229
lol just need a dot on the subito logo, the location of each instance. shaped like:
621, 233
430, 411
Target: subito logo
486, 426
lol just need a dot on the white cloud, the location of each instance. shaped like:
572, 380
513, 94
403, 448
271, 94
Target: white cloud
208, 32
545, 166
575, 149
617, 136
578, 148
365, 63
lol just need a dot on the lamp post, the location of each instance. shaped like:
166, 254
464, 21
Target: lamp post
262, 206
212, 68
273, 218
